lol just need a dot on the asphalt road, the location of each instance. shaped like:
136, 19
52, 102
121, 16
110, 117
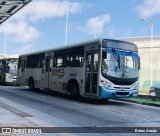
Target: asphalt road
62, 111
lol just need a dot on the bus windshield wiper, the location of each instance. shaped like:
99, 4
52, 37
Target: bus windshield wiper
117, 57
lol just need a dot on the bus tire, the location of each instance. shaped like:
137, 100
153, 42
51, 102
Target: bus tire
104, 100
31, 84
74, 91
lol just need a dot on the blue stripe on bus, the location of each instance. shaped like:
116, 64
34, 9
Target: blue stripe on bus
106, 93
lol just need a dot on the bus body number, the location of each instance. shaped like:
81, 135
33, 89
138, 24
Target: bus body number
73, 74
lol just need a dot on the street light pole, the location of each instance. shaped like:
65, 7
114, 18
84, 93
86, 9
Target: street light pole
4, 47
151, 29
95, 35
151, 25
66, 34
33, 45
66, 25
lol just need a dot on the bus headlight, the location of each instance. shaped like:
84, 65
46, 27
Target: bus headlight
135, 85
105, 84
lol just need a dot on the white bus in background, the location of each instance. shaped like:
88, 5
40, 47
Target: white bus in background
102, 68
8, 70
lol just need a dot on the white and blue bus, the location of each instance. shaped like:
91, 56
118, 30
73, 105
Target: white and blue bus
101, 68
8, 70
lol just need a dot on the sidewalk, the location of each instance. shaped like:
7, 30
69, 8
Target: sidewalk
14, 121
10, 116
17, 119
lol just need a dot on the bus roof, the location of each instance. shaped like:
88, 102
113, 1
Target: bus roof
85, 43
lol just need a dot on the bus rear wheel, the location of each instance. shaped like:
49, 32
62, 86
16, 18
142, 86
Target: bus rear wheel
31, 84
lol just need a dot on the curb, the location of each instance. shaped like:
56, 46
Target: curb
143, 103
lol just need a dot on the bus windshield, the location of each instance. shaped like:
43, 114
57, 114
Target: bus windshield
120, 64
12, 66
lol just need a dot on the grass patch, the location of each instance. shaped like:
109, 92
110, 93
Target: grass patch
146, 100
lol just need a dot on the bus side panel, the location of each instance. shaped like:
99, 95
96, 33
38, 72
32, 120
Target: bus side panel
61, 76
56, 79
39, 77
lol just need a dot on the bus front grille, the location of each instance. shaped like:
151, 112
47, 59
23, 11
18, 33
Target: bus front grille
122, 88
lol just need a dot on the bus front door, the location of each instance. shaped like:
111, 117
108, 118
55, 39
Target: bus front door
91, 73
48, 65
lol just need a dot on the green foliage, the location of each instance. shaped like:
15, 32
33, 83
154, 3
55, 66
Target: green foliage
145, 100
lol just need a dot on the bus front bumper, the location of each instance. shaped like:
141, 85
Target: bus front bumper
107, 93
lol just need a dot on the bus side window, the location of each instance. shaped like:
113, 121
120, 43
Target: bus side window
88, 62
74, 62
76, 57
59, 61
41, 60
62, 58
95, 62
65, 62
19, 63
54, 60
32, 61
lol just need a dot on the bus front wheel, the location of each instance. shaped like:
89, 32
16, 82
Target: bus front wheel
74, 91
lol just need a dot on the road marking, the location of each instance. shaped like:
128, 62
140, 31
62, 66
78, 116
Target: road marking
39, 122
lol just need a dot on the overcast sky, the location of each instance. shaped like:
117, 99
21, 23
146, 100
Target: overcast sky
42, 23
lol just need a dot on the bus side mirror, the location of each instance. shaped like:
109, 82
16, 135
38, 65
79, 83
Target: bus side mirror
104, 56
118, 61
139, 63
